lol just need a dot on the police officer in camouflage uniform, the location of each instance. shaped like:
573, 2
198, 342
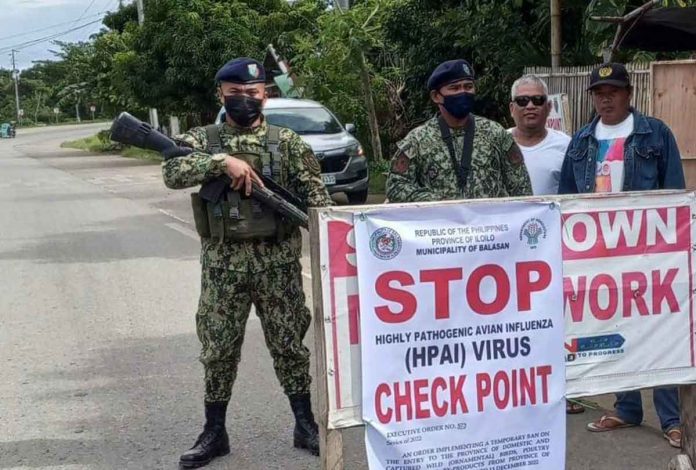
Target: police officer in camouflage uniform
248, 260
456, 155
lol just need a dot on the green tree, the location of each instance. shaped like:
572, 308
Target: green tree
172, 58
342, 61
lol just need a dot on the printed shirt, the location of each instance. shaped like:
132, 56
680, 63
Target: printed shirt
609, 176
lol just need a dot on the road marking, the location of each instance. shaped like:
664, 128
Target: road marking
184, 231
169, 214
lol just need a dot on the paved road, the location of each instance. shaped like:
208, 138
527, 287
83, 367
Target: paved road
98, 286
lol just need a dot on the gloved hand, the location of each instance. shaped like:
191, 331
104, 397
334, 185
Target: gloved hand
174, 152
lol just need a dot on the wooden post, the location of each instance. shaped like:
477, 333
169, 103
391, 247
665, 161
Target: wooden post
555, 34
330, 440
687, 401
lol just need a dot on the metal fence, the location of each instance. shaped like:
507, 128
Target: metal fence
574, 81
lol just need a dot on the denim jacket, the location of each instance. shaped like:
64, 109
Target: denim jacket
651, 158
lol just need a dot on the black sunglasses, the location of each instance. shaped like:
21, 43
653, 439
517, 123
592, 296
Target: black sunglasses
523, 101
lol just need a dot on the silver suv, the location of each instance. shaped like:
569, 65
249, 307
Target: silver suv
342, 159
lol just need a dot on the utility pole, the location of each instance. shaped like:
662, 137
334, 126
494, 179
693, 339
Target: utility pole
141, 11
555, 34
154, 121
15, 75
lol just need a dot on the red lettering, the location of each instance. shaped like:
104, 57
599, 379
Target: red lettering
397, 401
354, 319
421, 397
403, 400
501, 398
514, 388
502, 289
483, 388
662, 290
457, 394
441, 279
631, 294
407, 300
575, 299
440, 410
525, 285
599, 281
383, 416
544, 372
527, 386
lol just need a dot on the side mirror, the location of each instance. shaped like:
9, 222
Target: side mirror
350, 128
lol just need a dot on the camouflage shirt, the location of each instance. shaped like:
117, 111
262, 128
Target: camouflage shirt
422, 168
301, 175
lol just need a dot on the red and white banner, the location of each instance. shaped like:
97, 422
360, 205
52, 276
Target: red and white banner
339, 284
620, 288
462, 336
628, 282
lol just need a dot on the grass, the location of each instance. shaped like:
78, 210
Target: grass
378, 176
61, 123
140, 154
91, 144
377, 182
100, 143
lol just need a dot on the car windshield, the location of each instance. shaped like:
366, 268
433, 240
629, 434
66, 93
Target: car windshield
304, 120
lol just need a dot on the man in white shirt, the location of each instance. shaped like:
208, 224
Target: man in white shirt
543, 149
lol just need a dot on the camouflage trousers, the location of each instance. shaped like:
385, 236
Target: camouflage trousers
224, 306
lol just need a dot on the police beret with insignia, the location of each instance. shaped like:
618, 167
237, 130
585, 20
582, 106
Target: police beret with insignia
450, 71
610, 74
241, 70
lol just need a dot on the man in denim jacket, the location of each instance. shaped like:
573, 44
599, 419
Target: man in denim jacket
623, 150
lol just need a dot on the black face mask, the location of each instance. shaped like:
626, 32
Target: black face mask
243, 109
459, 105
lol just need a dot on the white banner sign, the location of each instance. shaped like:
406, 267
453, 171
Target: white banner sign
628, 269
559, 116
628, 274
462, 336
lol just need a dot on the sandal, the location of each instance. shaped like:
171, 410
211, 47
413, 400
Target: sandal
608, 422
574, 408
674, 437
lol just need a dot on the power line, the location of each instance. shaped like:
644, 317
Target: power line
33, 42
47, 27
84, 12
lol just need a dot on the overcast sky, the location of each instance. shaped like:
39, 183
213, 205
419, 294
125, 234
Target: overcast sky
22, 18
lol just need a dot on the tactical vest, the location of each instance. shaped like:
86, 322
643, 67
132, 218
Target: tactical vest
236, 216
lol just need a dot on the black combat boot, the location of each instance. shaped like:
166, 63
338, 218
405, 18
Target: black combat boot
306, 433
213, 441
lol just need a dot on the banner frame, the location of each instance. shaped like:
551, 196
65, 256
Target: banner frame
331, 440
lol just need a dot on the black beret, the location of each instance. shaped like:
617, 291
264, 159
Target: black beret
241, 70
450, 71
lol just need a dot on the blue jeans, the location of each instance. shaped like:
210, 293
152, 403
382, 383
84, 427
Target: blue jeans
629, 407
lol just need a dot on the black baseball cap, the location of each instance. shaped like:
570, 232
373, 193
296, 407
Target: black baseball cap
610, 74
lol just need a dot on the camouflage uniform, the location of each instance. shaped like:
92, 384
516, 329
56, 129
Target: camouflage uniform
265, 273
422, 168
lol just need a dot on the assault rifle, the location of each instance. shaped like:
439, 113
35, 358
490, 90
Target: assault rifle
129, 130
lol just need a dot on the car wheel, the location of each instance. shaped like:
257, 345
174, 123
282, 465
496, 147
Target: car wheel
357, 197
